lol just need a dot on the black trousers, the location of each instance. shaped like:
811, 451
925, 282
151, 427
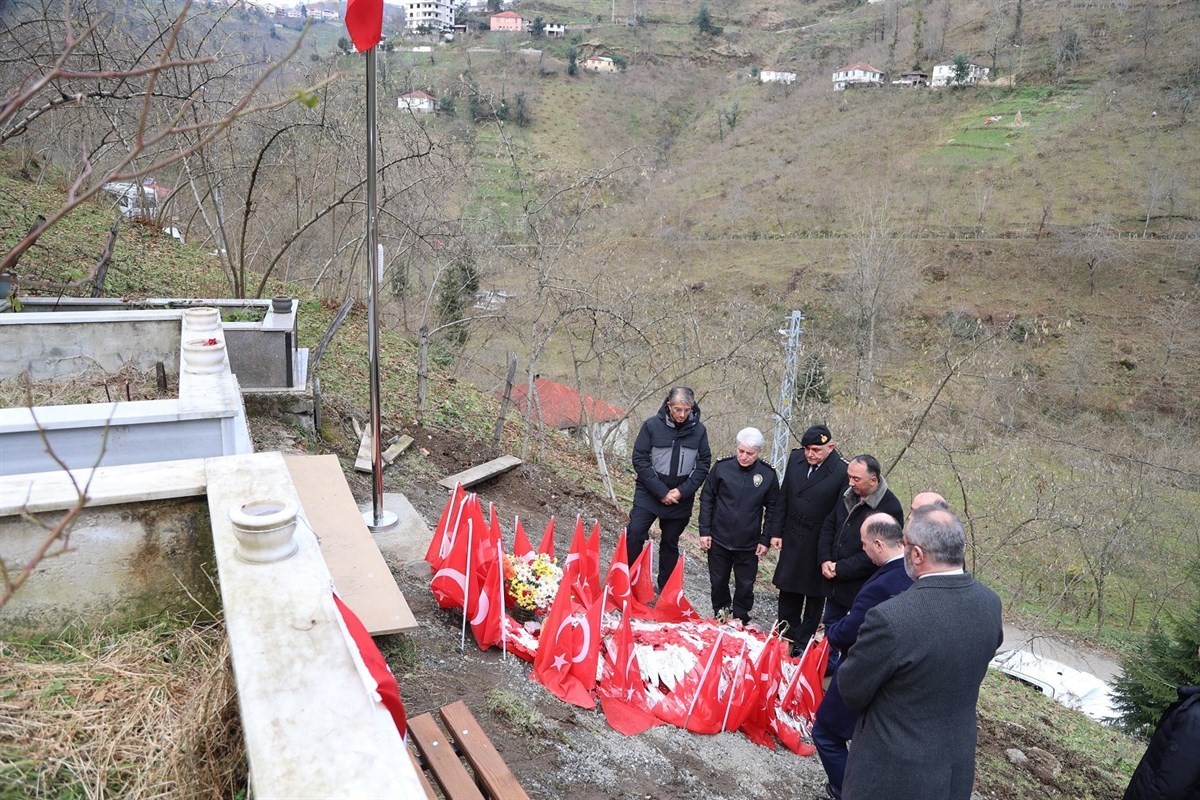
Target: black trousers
744, 565
802, 613
637, 532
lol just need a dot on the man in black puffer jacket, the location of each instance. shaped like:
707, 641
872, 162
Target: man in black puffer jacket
1170, 768
671, 458
740, 490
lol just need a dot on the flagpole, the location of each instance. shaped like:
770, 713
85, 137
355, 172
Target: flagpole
380, 519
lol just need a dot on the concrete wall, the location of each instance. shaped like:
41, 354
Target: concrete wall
127, 563
62, 338
313, 727
67, 344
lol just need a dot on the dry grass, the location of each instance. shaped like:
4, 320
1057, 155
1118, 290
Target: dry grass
93, 386
143, 714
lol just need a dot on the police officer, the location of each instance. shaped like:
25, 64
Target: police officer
739, 494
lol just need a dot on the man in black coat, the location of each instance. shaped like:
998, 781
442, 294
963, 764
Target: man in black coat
1170, 768
671, 458
914, 673
844, 565
740, 492
812, 483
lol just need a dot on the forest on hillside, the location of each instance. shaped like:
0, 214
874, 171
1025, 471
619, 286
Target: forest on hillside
1005, 310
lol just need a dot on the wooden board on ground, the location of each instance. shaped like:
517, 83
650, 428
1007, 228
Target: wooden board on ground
362, 461
360, 574
480, 473
398, 447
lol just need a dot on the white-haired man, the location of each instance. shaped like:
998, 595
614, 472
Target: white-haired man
740, 492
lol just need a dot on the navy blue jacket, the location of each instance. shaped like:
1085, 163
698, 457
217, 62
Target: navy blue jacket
668, 456
734, 501
887, 582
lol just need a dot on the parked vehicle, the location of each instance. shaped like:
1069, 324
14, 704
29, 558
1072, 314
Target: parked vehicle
134, 200
1067, 685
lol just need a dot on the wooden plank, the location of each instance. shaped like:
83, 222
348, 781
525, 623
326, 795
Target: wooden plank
393, 452
441, 759
481, 754
429, 792
360, 574
480, 473
363, 462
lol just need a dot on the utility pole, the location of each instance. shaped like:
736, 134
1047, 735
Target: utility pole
787, 390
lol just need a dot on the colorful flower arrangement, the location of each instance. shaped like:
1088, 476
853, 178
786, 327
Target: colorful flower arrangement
532, 581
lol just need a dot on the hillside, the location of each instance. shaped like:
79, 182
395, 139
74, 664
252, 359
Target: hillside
1034, 325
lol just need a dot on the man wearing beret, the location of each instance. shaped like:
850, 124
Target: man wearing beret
813, 480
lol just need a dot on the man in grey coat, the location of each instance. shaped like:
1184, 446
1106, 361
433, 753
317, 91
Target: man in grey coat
915, 670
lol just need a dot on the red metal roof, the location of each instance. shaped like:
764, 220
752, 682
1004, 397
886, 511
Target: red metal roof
506, 15
561, 406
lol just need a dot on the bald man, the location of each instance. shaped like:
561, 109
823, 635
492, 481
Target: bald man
928, 499
914, 673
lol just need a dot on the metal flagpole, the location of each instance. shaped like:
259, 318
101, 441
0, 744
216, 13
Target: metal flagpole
379, 519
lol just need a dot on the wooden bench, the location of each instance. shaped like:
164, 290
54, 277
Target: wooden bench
442, 755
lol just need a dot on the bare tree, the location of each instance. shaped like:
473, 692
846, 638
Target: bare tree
882, 279
162, 127
1096, 245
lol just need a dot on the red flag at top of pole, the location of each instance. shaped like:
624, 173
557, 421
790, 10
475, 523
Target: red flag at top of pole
364, 23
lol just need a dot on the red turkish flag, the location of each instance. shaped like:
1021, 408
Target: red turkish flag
447, 525
386, 688
364, 23
585, 662
547, 545
620, 589
485, 606
739, 693
812, 676
640, 579
561, 643
707, 712
622, 691
766, 677
521, 545
449, 583
591, 562
672, 606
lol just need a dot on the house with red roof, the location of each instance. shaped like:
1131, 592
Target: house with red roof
857, 75
563, 408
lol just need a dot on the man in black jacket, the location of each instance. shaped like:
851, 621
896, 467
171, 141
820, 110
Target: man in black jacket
844, 565
812, 483
1170, 768
740, 491
671, 458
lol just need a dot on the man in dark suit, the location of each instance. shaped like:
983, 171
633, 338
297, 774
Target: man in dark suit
914, 673
814, 479
881, 541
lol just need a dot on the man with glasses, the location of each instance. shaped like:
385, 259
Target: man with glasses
671, 458
813, 481
914, 672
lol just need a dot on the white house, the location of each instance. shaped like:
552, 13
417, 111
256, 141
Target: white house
437, 15
855, 75
555, 30
943, 74
776, 76
599, 64
418, 102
